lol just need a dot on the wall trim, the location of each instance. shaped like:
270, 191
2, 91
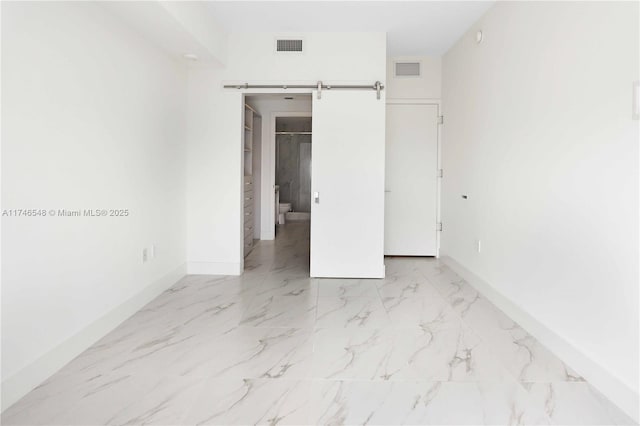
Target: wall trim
19, 384
618, 392
214, 268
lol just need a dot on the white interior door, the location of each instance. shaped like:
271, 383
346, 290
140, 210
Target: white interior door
411, 180
347, 216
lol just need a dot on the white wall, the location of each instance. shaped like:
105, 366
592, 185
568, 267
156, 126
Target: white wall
93, 118
178, 27
539, 133
331, 57
214, 169
427, 86
215, 125
195, 18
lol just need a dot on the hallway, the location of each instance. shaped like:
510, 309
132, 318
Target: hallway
276, 347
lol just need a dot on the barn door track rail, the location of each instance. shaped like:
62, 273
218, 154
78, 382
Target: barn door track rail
377, 86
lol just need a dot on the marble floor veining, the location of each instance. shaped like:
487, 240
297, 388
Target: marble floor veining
274, 346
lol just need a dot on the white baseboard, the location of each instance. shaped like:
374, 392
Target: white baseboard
22, 382
618, 392
214, 268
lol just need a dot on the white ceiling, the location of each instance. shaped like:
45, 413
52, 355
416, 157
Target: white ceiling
413, 27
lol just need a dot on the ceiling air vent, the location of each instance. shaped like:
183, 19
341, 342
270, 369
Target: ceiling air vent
288, 45
407, 69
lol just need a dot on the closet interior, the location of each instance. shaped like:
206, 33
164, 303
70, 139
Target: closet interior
251, 140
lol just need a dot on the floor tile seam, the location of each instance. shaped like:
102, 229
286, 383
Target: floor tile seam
413, 327
382, 303
430, 281
475, 330
79, 402
358, 380
200, 385
531, 400
455, 311
251, 301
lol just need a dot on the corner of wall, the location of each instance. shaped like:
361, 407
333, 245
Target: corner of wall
21, 383
601, 378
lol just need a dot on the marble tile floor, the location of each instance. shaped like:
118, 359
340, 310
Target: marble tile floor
277, 347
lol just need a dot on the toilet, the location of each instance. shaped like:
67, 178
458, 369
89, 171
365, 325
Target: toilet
284, 208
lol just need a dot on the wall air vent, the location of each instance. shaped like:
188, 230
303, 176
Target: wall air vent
407, 69
288, 45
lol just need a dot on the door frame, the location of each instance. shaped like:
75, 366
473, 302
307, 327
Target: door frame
438, 105
268, 182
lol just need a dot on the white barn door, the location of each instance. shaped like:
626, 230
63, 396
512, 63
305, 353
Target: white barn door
347, 205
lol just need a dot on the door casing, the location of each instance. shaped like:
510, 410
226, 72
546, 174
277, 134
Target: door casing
437, 104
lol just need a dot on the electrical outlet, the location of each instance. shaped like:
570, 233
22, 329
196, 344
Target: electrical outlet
145, 255
478, 246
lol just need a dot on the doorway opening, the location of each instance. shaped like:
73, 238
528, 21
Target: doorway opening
346, 227
411, 220
293, 169
281, 181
